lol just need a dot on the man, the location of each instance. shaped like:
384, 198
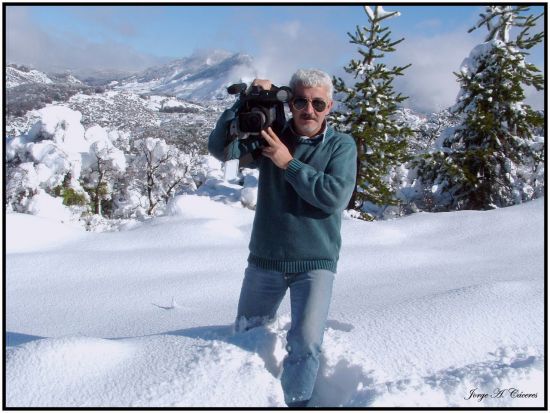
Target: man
307, 176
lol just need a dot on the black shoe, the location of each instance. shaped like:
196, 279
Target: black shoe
299, 403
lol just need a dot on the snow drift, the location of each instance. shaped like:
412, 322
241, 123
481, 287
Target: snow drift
431, 310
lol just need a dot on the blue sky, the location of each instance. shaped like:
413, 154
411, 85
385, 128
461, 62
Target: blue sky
184, 29
281, 38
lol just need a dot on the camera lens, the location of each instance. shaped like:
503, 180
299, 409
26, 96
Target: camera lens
252, 122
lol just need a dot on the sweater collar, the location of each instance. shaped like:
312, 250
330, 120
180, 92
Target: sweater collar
326, 132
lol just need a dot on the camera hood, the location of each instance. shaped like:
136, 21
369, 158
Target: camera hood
275, 94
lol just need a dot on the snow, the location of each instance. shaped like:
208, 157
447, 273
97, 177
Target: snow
46, 233
425, 309
380, 13
63, 126
174, 103
249, 193
369, 12
101, 147
47, 206
470, 64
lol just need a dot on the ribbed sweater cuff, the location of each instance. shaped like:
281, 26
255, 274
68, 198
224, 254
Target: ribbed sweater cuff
292, 169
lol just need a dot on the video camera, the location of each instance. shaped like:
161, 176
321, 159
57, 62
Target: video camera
258, 110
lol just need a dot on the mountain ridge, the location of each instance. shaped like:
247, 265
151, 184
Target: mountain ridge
201, 76
195, 78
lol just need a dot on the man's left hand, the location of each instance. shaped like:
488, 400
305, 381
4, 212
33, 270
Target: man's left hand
276, 150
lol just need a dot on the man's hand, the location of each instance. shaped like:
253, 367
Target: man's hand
276, 150
265, 84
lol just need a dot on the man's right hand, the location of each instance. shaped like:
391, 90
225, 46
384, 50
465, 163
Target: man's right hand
265, 84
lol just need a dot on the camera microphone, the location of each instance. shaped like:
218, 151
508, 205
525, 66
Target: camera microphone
284, 94
236, 88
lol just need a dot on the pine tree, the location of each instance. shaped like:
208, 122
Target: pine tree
369, 109
488, 160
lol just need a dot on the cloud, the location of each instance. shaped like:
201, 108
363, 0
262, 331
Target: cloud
285, 47
534, 98
107, 18
22, 37
430, 82
28, 43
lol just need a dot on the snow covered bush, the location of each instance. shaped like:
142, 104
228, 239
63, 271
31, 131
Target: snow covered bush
47, 159
25, 195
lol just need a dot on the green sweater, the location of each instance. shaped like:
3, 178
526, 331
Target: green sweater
299, 210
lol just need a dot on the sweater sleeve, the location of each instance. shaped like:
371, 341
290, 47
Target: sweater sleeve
220, 144
328, 190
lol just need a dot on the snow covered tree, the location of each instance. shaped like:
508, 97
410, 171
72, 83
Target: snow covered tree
492, 158
105, 164
159, 170
368, 113
429, 132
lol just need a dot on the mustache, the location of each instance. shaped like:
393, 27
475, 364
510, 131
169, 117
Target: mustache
305, 116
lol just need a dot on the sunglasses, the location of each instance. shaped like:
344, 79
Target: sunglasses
319, 105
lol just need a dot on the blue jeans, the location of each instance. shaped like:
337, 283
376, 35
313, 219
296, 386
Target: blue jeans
310, 293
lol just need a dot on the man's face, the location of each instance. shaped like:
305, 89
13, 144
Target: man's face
309, 121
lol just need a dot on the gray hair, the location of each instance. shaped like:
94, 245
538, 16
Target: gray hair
312, 78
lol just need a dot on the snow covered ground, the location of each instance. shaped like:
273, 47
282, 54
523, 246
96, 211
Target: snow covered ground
428, 310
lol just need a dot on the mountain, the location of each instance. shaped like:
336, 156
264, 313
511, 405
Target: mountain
198, 77
18, 75
203, 76
132, 105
